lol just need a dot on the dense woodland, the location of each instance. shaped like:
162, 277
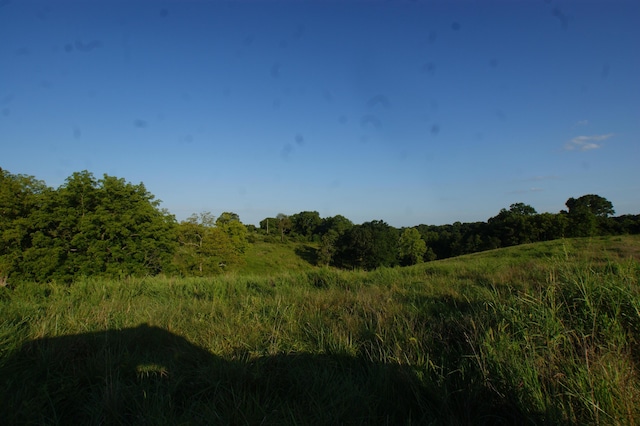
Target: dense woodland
112, 228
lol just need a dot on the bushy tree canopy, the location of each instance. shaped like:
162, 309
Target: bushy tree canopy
368, 246
92, 227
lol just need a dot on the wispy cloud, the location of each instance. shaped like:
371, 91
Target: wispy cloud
582, 123
586, 143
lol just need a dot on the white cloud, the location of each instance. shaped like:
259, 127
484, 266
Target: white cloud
586, 143
582, 123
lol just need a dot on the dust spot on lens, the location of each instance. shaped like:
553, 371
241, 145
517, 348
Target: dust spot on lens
275, 70
381, 100
370, 120
428, 68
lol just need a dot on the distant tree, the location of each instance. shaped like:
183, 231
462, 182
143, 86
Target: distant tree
327, 247
268, 224
368, 246
305, 224
522, 209
595, 204
204, 248
226, 218
337, 223
331, 229
283, 223
230, 224
411, 247
588, 215
550, 226
514, 226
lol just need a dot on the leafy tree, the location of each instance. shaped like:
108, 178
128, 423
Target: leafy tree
368, 246
227, 217
331, 229
588, 215
327, 247
411, 247
97, 227
283, 223
268, 224
306, 223
514, 226
595, 204
204, 248
230, 224
550, 226
522, 209
20, 197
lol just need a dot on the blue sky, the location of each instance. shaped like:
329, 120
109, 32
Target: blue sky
411, 112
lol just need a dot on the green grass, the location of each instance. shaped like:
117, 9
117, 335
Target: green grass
262, 258
545, 333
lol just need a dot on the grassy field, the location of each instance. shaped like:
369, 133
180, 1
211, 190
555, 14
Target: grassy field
545, 333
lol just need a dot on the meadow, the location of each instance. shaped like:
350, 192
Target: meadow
545, 333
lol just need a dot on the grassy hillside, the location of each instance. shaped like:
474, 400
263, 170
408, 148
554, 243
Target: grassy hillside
544, 333
273, 258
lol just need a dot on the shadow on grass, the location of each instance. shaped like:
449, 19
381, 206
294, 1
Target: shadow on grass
308, 253
147, 375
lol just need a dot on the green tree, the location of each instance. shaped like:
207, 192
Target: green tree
368, 246
231, 225
331, 229
268, 224
20, 197
337, 223
411, 247
588, 215
102, 227
327, 247
204, 248
595, 204
306, 224
514, 226
284, 224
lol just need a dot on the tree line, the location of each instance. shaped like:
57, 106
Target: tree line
113, 228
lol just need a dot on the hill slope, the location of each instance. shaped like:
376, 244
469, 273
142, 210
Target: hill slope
543, 333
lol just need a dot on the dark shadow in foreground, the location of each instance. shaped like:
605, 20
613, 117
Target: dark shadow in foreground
147, 375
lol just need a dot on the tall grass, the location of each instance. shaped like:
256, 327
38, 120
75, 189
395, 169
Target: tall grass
545, 333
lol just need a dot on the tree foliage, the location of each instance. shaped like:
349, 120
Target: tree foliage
208, 246
113, 228
411, 247
368, 246
305, 224
90, 227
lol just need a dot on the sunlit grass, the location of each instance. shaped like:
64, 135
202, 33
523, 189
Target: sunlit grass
543, 333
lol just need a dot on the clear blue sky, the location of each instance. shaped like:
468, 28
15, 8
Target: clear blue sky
411, 112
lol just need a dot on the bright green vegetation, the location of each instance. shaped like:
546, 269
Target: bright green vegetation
110, 228
546, 333
271, 258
